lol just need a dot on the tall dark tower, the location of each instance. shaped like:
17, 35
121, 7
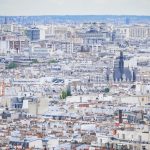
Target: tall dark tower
107, 74
121, 64
120, 116
6, 20
114, 76
107, 77
69, 90
127, 21
134, 76
113, 36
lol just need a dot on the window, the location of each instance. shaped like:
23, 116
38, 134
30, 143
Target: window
140, 138
123, 136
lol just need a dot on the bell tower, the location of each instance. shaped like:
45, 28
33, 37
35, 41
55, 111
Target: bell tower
121, 64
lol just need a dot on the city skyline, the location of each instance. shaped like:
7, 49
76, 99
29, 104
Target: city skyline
72, 7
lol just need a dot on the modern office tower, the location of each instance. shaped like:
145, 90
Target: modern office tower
33, 34
127, 21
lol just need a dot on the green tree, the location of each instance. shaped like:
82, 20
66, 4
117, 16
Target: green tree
12, 66
34, 61
68, 91
52, 61
133, 86
63, 95
106, 90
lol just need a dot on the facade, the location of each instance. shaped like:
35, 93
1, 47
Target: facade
134, 32
139, 32
93, 36
122, 73
33, 34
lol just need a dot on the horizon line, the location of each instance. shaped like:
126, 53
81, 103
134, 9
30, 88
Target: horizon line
74, 15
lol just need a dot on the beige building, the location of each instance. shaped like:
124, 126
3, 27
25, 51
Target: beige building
38, 107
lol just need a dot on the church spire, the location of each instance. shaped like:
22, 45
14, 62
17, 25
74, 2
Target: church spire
121, 64
134, 76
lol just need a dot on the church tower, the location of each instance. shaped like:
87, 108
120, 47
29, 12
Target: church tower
121, 64
134, 76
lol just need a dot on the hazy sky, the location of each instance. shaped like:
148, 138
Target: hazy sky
72, 7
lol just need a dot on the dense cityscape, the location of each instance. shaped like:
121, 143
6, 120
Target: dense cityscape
75, 84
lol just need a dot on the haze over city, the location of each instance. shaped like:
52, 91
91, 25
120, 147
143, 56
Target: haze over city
74, 74
74, 7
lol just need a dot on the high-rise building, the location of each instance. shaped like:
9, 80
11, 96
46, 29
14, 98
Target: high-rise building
33, 34
127, 21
